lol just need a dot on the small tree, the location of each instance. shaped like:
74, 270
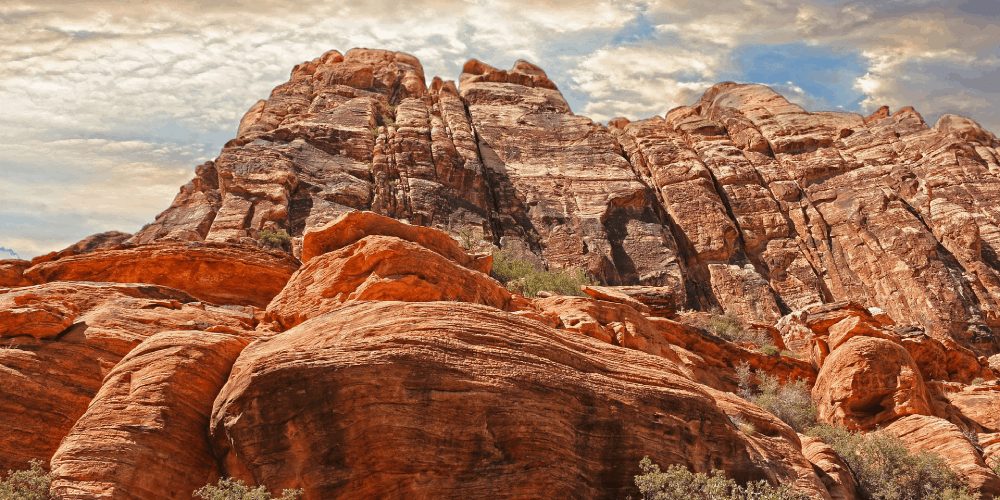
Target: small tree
275, 238
731, 328
678, 483
791, 402
29, 484
886, 470
234, 489
521, 275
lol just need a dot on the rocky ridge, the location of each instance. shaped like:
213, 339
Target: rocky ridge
375, 355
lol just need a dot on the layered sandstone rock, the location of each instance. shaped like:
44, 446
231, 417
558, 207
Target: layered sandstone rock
381, 268
214, 272
935, 435
60, 341
867, 382
390, 364
480, 400
155, 403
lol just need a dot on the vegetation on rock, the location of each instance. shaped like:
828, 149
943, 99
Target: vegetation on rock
234, 489
886, 470
521, 275
791, 402
678, 483
731, 328
28, 484
275, 238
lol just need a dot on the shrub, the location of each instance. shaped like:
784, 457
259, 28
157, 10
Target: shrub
234, 489
678, 483
886, 470
731, 328
275, 238
29, 484
791, 402
520, 275
769, 350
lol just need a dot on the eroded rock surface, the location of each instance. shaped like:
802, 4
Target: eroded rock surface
389, 362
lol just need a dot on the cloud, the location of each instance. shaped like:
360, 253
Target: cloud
108, 105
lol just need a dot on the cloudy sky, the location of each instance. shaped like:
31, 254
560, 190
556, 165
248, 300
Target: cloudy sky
107, 106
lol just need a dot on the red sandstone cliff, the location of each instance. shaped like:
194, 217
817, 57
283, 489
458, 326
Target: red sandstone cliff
378, 357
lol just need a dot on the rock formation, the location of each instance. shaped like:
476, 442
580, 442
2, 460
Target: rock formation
315, 309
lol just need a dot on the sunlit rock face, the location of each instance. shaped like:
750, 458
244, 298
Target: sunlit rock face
316, 308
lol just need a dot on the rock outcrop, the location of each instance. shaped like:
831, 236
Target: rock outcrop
316, 309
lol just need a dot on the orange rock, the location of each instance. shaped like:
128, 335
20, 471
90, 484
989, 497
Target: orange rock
12, 272
155, 403
353, 226
978, 403
922, 433
833, 471
868, 382
704, 357
214, 272
441, 399
380, 268
47, 383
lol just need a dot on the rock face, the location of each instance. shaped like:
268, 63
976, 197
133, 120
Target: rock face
135, 419
220, 273
491, 398
315, 309
52, 369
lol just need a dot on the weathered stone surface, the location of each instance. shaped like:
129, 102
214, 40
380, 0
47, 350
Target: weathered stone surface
868, 382
836, 474
867, 246
12, 272
924, 433
47, 383
562, 188
447, 399
381, 268
214, 272
151, 414
353, 226
92, 243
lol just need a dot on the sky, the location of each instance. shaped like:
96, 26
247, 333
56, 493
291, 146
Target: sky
107, 106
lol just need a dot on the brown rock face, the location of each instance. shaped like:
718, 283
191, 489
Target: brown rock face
154, 403
867, 382
389, 363
381, 268
51, 369
220, 273
496, 403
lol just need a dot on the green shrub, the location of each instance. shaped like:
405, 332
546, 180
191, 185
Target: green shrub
275, 238
886, 470
234, 489
521, 275
791, 402
769, 350
678, 483
731, 328
29, 484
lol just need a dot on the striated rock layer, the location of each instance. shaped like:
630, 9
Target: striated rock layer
315, 309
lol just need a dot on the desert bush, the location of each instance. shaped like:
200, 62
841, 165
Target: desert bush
28, 484
678, 483
791, 402
275, 238
234, 489
521, 275
886, 470
731, 328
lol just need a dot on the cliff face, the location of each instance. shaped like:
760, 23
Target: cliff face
866, 246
